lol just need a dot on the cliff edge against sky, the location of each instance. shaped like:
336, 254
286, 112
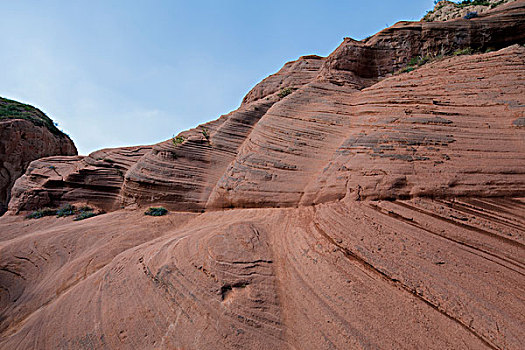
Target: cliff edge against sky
26, 134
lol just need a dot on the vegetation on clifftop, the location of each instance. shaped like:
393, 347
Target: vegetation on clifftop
443, 7
418, 61
178, 140
10, 109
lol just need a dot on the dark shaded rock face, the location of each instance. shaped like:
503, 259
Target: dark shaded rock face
26, 134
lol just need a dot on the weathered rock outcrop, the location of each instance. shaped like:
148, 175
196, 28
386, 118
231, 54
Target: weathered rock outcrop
247, 157
178, 175
447, 10
403, 122
445, 129
26, 134
96, 179
344, 205
293, 75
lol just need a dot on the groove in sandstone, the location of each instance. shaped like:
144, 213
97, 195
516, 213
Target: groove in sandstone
398, 284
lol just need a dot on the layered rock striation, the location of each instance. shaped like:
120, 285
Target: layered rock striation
26, 134
406, 274
316, 111
370, 199
96, 179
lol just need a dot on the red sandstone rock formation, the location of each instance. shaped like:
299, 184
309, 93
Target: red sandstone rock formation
26, 134
271, 136
370, 209
95, 179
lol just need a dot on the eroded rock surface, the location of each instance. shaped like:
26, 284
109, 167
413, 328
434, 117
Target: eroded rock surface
26, 134
363, 208
447, 10
247, 157
96, 179
445, 129
349, 274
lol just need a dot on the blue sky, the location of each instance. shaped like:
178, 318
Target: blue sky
121, 73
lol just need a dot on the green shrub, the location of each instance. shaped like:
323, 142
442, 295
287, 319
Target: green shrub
178, 140
465, 51
156, 211
83, 212
413, 62
85, 208
86, 212
285, 92
496, 4
10, 109
37, 214
206, 134
85, 215
466, 3
407, 69
66, 210
418, 61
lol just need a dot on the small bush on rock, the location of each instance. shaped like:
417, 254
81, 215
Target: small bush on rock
466, 3
407, 69
285, 92
86, 212
156, 211
465, 51
415, 61
82, 213
496, 4
66, 210
85, 215
37, 214
206, 134
178, 140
